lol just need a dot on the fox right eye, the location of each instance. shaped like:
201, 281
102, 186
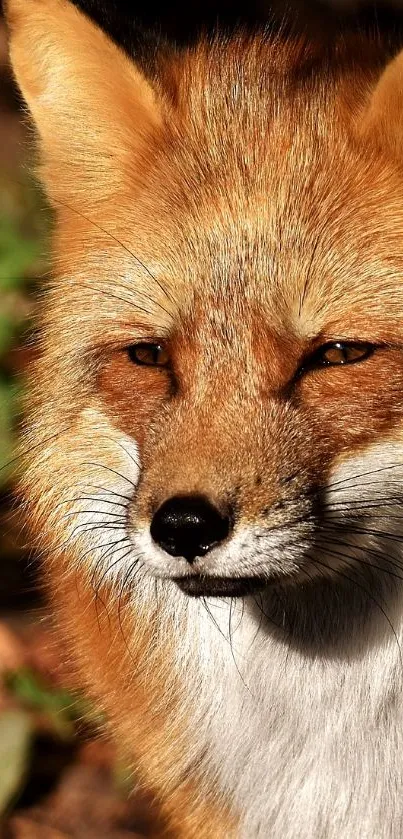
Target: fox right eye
338, 354
149, 355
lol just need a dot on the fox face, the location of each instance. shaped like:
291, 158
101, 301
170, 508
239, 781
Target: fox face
221, 380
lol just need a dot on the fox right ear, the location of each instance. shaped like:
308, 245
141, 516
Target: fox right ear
91, 106
382, 119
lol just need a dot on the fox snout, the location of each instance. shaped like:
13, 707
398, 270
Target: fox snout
199, 520
188, 527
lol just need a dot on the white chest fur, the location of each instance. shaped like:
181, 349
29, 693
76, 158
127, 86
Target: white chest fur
307, 743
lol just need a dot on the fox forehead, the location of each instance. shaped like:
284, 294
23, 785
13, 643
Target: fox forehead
256, 194
308, 267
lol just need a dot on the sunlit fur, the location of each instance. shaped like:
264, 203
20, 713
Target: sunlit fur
243, 203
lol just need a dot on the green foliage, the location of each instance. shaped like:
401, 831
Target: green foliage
9, 393
15, 745
18, 252
59, 706
23, 230
32, 697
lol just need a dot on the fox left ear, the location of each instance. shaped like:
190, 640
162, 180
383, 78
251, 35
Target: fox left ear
92, 108
383, 115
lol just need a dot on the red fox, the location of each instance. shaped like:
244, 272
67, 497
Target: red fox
214, 445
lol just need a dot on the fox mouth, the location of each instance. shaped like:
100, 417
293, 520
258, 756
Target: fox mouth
207, 586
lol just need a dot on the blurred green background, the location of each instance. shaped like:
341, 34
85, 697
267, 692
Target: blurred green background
22, 234
24, 224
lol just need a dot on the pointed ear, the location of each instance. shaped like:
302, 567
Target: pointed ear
382, 119
92, 108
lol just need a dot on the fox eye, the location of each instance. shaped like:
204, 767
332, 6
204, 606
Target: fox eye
149, 355
337, 353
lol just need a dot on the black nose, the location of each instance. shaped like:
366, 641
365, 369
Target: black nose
188, 526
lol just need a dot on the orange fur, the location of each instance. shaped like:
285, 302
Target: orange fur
144, 719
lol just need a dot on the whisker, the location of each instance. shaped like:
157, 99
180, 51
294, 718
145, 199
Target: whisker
203, 601
81, 530
129, 454
132, 303
333, 484
364, 504
118, 242
136, 565
259, 626
324, 546
114, 472
264, 614
142, 296
368, 594
370, 516
103, 545
80, 512
392, 537
129, 572
117, 561
111, 550
332, 531
109, 491
232, 601
24, 452
80, 498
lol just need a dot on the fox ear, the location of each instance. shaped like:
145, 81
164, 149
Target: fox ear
91, 106
383, 116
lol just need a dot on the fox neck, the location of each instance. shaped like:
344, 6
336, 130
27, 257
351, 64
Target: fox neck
294, 729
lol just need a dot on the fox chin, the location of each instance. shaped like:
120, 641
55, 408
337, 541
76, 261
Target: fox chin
213, 444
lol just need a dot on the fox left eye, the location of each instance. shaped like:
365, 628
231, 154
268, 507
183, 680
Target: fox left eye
337, 353
149, 355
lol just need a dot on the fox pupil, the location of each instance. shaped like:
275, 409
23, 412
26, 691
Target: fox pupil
149, 355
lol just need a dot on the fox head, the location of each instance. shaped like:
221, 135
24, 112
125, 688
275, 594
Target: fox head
219, 398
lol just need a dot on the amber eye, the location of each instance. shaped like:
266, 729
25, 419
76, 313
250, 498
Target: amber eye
150, 355
336, 353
